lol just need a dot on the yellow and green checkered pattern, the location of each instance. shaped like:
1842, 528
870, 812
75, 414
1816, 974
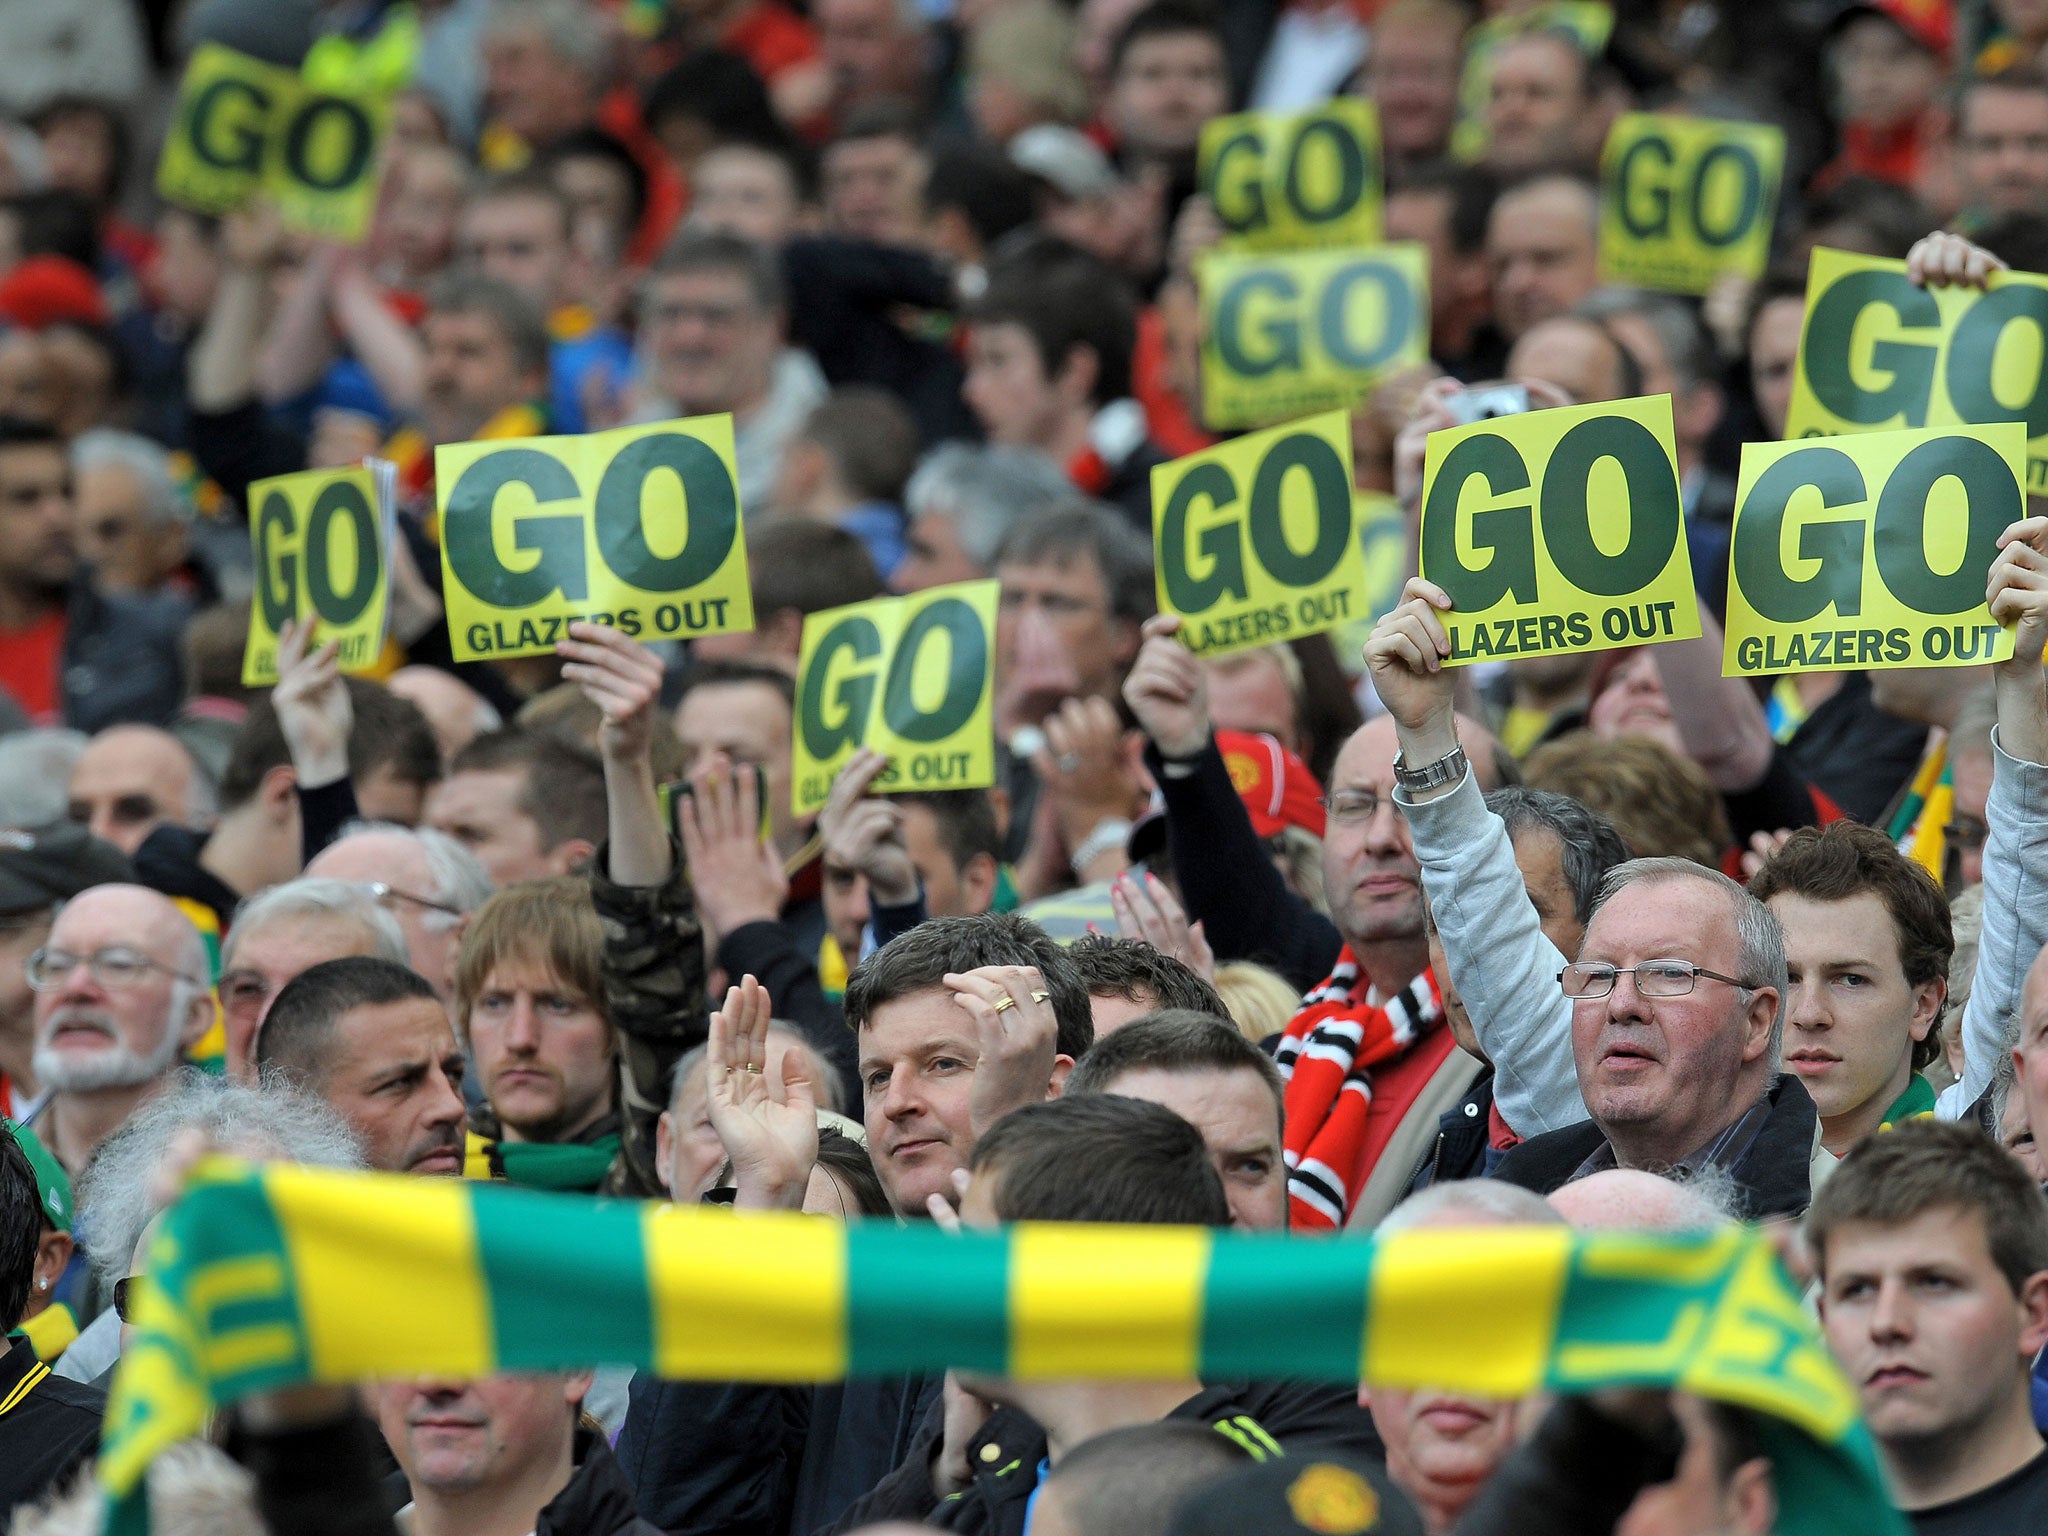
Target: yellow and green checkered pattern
266, 1278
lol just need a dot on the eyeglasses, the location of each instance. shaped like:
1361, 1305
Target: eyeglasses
115, 969
242, 991
1653, 978
386, 894
1348, 807
1966, 833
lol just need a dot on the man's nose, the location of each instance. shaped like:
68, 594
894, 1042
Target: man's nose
1892, 1316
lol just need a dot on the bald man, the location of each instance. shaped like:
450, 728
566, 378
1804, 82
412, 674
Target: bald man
131, 780
1630, 1200
121, 992
1543, 249
425, 879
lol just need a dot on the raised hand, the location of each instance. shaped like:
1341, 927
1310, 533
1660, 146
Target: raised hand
863, 832
312, 703
1145, 910
621, 677
1944, 260
2017, 589
1018, 1036
768, 1128
1086, 769
1405, 657
1168, 691
737, 875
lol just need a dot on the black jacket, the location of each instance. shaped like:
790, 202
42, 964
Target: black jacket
598, 1500
49, 1429
121, 661
1006, 1455
736, 1459
1772, 1175
1227, 878
1463, 1138
168, 860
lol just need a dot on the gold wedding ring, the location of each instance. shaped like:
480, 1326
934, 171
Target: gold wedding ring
1005, 1001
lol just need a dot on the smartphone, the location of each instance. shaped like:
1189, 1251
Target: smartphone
1483, 402
676, 791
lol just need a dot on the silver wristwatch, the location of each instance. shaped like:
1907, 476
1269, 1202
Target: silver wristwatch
1110, 832
1447, 769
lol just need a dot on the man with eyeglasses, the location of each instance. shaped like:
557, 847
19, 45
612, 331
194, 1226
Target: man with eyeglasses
1672, 1006
39, 869
121, 989
284, 931
1371, 1064
425, 879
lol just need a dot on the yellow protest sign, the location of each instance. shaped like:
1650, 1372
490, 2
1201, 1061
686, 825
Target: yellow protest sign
1281, 180
1878, 353
1871, 551
242, 125
321, 541
913, 678
1383, 539
1256, 540
1559, 531
1287, 334
638, 528
1685, 200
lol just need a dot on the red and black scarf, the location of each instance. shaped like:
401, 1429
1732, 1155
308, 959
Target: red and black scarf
1327, 1055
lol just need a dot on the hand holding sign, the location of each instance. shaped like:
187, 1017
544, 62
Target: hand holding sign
910, 677
1863, 551
1256, 540
1405, 658
622, 678
1559, 531
1168, 691
864, 835
314, 713
2018, 597
1946, 339
320, 543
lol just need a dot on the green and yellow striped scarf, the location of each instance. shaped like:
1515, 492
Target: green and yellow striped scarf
261, 1279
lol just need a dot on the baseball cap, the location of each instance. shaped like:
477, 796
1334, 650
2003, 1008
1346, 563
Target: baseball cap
1277, 788
46, 290
1065, 159
1299, 1496
53, 1184
1930, 23
41, 866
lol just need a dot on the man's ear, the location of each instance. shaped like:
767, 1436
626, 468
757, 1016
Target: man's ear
278, 793
1761, 1015
665, 1151
1061, 1066
1927, 1000
576, 1386
570, 854
2034, 1313
1752, 1497
978, 883
1077, 374
199, 1016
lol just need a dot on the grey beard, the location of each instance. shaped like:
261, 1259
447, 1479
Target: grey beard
120, 1067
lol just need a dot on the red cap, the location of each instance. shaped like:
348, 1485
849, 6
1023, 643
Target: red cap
1930, 23
1275, 785
46, 290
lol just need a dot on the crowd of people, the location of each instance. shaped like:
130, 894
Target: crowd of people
1324, 937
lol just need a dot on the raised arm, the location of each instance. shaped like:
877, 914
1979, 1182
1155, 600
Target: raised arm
2016, 844
1502, 965
1718, 718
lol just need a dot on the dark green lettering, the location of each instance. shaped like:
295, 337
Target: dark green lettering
967, 672
852, 700
1753, 559
1653, 511
1220, 544
1507, 532
352, 131
277, 568
1397, 304
1746, 207
1908, 366
1658, 191
243, 150
711, 508
468, 516
341, 499
1239, 216
1974, 345
1351, 170
1900, 534
1330, 486
1284, 334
